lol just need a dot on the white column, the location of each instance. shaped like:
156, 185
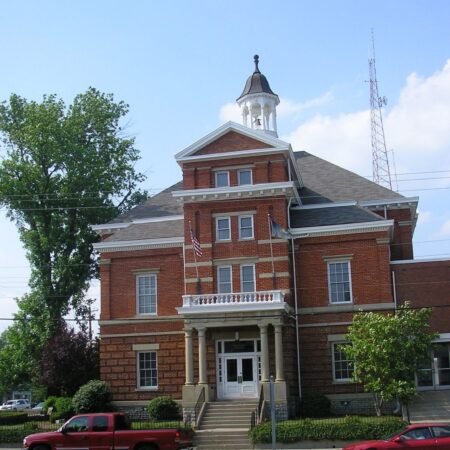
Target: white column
201, 356
279, 369
274, 119
264, 353
263, 120
189, 357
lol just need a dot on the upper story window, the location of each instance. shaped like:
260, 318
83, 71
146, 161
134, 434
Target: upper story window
222, 178
248, 278
339, 282
224, 279
223, 229
146, 293
342, 364
245, 227
147, 376
244, 176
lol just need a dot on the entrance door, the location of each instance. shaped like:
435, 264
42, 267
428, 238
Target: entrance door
240, 377
436, 374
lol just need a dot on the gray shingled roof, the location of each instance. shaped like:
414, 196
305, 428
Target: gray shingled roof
148, 230
336, 215
325, 182
160, 205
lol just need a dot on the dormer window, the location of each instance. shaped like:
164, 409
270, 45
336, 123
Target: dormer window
222, 178
244, 177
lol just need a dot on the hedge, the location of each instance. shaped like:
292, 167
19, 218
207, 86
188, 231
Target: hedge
13, 418
9, 435
349, 428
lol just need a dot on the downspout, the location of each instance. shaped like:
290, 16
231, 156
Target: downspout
297, 344
394, 290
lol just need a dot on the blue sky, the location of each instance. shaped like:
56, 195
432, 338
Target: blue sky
181, 64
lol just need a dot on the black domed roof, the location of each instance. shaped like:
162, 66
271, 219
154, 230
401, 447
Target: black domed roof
256, 83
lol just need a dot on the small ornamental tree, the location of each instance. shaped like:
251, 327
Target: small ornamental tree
94, 396
388, 350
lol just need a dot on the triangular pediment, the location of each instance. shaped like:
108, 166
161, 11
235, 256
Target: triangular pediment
229, 138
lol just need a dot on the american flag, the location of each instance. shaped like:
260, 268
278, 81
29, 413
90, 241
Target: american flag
196, 244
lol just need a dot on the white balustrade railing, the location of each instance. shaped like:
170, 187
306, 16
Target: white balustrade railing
234, 299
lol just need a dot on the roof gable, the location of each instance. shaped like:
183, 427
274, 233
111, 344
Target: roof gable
229, 138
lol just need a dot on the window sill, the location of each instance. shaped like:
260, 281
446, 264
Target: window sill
146, 389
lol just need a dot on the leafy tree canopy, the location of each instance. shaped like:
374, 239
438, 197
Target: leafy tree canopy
68, 360
388, 350
62, 168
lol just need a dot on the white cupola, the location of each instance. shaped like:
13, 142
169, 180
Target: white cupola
258, 103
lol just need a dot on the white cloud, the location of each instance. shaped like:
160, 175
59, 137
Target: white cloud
417, 127
445, 229
424, 217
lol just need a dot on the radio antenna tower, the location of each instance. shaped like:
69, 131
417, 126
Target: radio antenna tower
380, 160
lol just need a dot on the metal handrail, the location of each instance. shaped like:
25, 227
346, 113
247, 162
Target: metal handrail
199, 405
260, 410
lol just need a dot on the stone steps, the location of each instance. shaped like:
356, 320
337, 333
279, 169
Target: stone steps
431, 405
225, 425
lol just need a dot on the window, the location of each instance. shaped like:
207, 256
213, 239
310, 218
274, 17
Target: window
417, 433
342, 364
222, 178
244, 176
146, 294
224, 281
77, 425
223, 229
245, 227
339, 285
100, 423
248, 278
147, 370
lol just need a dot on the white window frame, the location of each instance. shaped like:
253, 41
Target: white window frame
216, 176
218, 279
330, 294
239, 177
139, 277
228, 218
138, 371
240, 228
333, 362
242, 278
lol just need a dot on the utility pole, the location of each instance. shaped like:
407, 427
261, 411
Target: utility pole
380, 161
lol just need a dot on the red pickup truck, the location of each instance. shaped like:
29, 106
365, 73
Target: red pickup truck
107, 431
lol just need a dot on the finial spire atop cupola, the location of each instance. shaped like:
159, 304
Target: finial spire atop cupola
258, 103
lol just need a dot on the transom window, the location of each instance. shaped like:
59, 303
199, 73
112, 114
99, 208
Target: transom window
248, 278
222, 178
342, 364
339, 284
146, 293
245, 227
223, 229
147, 370
244, 176
224, 279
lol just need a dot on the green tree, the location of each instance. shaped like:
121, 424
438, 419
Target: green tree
62, 169
387, 351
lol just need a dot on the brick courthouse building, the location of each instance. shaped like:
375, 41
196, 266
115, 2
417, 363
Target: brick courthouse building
253, 265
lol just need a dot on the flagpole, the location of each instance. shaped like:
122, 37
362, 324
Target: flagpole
269, 220
184, 267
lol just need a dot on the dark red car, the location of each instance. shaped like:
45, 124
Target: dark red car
420, 436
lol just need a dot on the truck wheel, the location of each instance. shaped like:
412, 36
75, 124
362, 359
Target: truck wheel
41, 447
145, 447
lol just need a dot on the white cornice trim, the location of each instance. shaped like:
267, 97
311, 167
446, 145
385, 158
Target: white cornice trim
115, 226
287, 188
418, 261
330, 230
139, 244
326, 205
389, 202
223, 129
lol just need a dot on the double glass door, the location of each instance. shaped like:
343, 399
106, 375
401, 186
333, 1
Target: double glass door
436, 374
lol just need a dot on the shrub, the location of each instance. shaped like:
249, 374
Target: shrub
315, 405
50, 403
13, 435
13, 418
63, 409
348, 428
164, 408
94, 396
